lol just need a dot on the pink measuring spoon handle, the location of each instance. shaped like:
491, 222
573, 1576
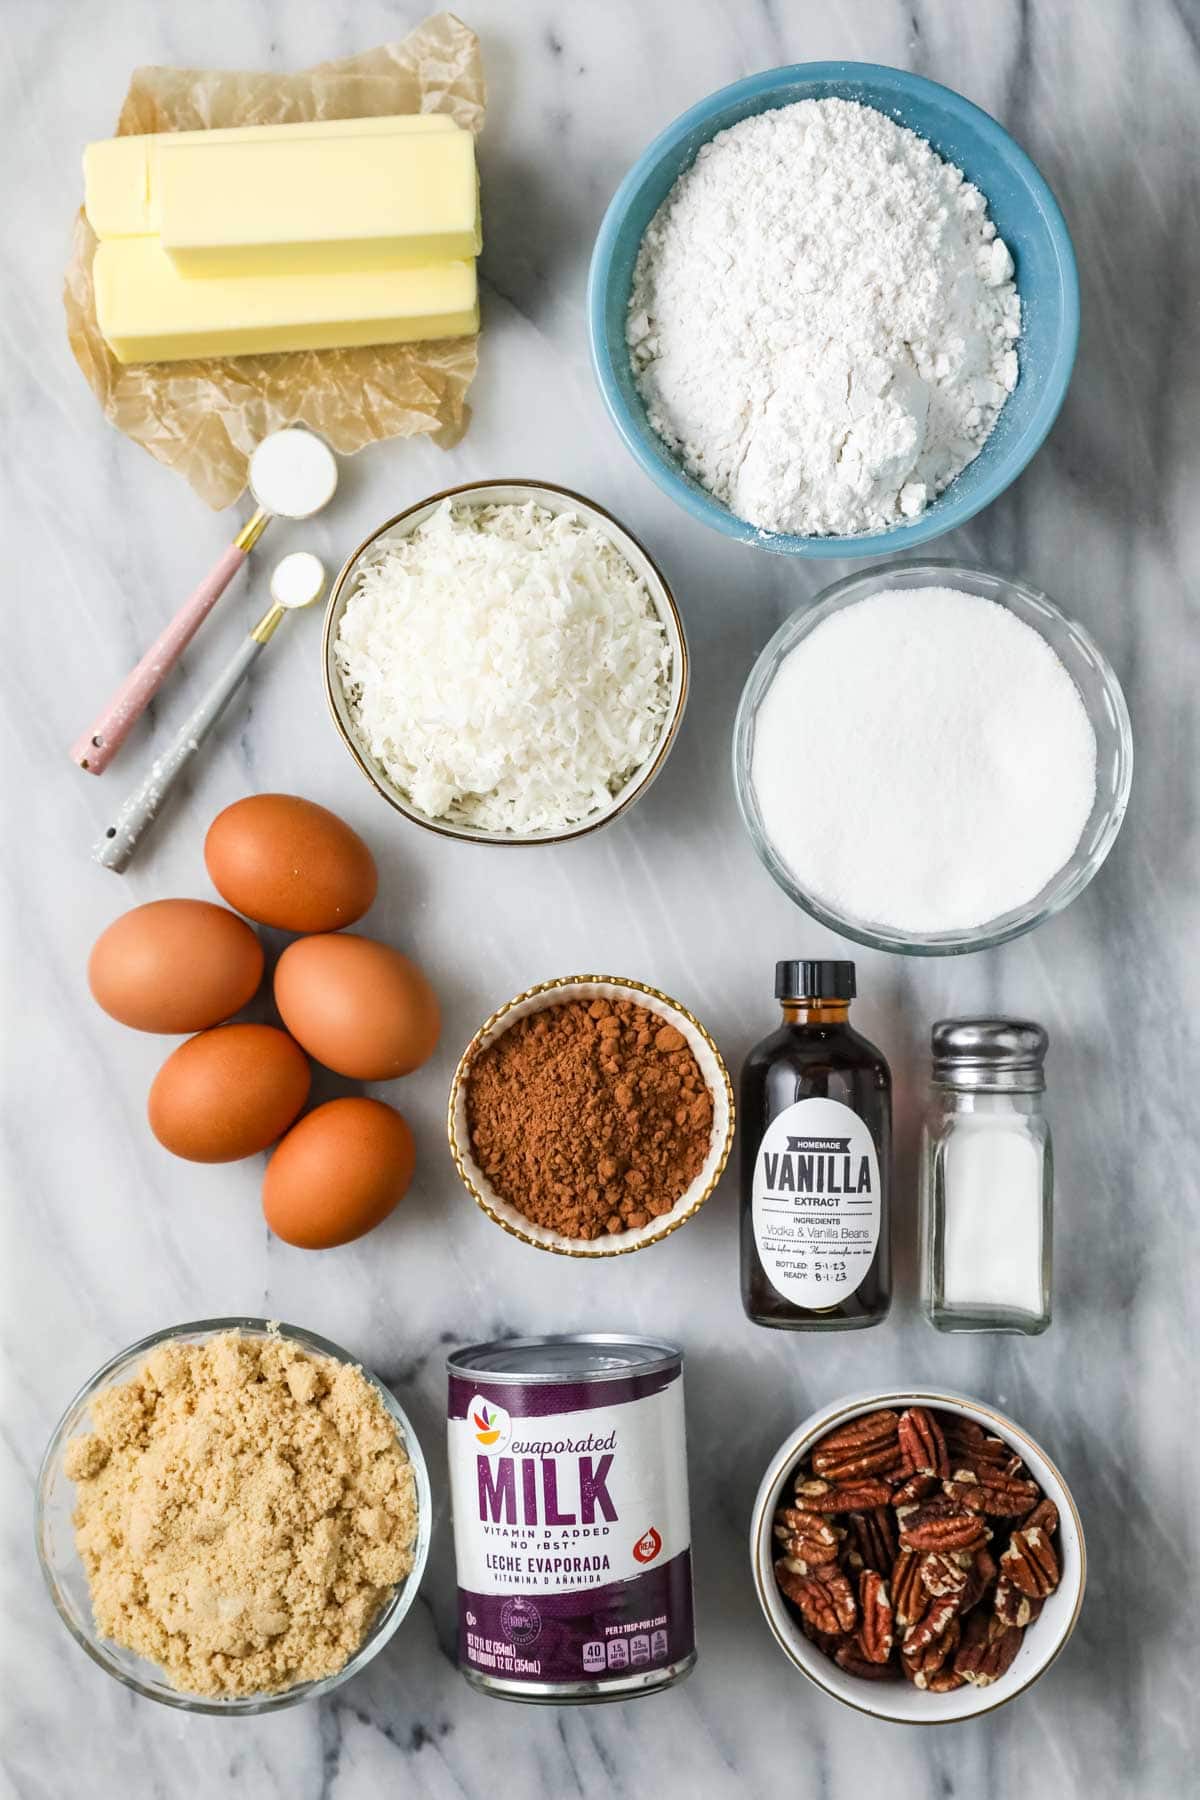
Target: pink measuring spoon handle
95, 749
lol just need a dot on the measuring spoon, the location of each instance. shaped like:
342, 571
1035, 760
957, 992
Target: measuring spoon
293, 474
297, 581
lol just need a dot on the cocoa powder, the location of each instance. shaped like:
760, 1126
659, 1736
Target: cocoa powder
589, 1116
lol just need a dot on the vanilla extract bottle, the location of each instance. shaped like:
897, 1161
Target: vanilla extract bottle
816, 1124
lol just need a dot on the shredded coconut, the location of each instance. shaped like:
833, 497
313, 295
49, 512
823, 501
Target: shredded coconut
822, 321
505, 667
922, 760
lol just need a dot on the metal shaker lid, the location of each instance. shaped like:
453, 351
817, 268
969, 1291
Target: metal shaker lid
990, 1055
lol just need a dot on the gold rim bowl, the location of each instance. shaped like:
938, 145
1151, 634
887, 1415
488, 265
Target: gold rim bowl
557, 500
555, 993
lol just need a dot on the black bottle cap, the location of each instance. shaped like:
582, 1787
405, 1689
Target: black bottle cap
819, 980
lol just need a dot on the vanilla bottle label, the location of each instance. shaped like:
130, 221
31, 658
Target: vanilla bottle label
816, 1202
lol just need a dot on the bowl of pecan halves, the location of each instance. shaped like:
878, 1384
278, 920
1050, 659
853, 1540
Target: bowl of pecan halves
917, 1555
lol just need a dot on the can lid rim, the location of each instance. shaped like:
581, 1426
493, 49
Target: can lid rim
660, 1356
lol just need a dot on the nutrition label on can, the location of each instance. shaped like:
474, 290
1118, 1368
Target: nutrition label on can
816, 1202
634, 1648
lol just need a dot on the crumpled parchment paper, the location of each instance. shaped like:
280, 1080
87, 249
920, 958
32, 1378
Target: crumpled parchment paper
204, 417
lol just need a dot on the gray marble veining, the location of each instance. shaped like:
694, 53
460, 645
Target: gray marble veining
106, 1237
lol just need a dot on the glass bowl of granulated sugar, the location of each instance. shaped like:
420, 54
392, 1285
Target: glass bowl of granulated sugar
932, 759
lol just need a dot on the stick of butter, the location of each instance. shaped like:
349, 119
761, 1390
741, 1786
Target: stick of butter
120, 174
367, 201
149, 312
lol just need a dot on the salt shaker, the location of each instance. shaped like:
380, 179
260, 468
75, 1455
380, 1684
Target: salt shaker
987, 1179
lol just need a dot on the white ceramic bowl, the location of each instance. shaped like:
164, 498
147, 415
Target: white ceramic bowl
712, 1067
900, 1700
555, 500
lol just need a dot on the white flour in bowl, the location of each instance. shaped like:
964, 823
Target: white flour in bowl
823, 320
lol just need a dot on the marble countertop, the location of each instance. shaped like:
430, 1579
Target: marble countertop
108, 1238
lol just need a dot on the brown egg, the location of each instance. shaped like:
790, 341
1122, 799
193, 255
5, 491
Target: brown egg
288, 862
175, 965
338, 1173
359, 1007
228, 1093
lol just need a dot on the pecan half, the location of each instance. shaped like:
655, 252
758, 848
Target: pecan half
924, 1664
849, 1656
910, 1596
945, 1572
807, 1537
863, 1447
980, 1577
928, 1529
842, 1496
875, 1633
969, 1446
872, 1537
1044, 1516
987, 1650
914, 1489
1012, 1607
922, 1443
993, 1492
934, 1623
937, 1506
825, 1598
1030, 1563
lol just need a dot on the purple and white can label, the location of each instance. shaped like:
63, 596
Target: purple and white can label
568, 1481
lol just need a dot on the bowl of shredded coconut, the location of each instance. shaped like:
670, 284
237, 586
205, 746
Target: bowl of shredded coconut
233, 1516
505, 663
931, 758
833, 310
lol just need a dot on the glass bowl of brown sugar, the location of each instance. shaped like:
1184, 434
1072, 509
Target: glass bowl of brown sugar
591, 1116
152, 1365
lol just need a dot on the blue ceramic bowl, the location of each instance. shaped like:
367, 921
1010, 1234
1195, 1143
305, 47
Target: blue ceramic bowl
1026, 215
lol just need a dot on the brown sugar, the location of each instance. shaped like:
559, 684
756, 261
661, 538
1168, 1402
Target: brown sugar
244, 1510
589, 1116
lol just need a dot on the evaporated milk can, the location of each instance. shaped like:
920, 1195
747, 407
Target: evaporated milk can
568, 1483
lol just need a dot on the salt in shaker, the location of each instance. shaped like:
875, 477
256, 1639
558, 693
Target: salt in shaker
987, 1179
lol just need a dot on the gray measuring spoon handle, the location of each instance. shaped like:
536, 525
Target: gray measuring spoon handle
116, 848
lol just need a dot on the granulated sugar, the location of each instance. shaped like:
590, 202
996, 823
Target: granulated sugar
923, 761
823, 320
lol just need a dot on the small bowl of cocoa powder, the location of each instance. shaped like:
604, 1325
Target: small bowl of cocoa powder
591, 1116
